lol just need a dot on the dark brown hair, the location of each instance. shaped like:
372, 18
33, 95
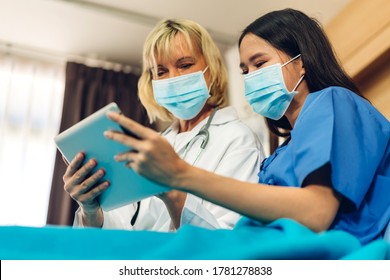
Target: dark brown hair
293, 32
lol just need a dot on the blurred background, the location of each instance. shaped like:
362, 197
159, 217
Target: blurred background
62, 60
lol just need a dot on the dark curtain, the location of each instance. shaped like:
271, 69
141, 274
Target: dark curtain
87, 90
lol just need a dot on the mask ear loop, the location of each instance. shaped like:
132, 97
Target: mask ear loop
300, 80
295, 57
204, 71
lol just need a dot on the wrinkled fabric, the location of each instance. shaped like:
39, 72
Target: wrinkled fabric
282, 239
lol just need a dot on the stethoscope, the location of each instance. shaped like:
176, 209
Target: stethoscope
203, 135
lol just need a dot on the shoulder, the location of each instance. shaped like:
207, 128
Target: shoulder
225, 115
228, 127
330, 96
227, 119
337, 97
340, 102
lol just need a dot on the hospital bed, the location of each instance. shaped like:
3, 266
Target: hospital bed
281, 239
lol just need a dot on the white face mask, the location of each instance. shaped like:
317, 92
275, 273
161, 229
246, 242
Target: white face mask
266, 92
184, 96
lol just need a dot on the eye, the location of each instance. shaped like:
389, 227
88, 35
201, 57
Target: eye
244, 71
186, 66
161, 72
259, 64
244, 68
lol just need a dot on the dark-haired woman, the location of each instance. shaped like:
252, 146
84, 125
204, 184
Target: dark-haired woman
332, 172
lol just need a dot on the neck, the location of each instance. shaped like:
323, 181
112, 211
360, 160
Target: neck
188, 125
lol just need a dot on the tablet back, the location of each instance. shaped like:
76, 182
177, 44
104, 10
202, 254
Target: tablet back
127, 186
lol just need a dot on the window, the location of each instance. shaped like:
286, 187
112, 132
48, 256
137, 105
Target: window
31, 96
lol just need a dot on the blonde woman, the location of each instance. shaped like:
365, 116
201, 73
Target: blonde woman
184, 81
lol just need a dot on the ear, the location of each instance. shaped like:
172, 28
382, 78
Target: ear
302, 67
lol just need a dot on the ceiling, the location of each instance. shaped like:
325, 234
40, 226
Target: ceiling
114, 30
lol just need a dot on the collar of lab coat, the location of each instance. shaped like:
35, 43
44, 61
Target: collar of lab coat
222, 116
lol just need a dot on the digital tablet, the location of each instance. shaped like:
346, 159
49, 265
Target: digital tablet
126, 186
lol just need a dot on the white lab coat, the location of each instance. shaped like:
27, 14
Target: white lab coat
233, 150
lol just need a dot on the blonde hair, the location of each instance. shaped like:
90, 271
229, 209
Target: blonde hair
160, 41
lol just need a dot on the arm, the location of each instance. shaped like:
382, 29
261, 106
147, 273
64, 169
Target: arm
174, 201
233, 151
314, 206
236, 159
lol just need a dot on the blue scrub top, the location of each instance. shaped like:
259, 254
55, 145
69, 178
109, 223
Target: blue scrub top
337, 126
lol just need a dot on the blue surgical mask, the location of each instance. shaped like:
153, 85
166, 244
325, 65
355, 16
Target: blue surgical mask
184, 96
266, 91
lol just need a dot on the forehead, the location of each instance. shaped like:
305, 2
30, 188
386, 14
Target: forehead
252, 44
174, 48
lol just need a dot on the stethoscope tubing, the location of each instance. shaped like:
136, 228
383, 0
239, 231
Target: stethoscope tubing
202, 134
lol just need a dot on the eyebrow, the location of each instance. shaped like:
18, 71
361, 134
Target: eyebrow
253, 58
185, 57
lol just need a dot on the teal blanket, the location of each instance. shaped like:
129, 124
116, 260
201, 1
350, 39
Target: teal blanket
282, 239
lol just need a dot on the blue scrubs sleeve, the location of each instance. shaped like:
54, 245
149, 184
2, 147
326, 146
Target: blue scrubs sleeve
337, 126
